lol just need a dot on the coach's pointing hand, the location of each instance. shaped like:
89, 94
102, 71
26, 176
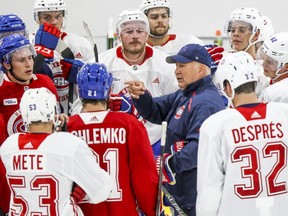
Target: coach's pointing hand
135, 88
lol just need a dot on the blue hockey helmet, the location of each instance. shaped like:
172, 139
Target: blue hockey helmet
11, 23
94, 81
14, 43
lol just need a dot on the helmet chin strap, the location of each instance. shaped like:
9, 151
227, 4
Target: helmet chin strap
156, 36
278, 75
251, 43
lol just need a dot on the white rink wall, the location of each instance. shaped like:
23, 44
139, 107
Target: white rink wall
201, 18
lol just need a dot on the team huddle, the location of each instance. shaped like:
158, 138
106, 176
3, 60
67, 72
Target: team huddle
80, 137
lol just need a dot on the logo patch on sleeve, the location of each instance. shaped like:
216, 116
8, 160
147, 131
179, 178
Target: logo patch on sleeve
10, 101
179, 112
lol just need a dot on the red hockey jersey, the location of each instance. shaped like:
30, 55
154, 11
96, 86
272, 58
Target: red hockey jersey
123, 149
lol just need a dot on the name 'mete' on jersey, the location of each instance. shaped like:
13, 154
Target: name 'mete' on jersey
42, 169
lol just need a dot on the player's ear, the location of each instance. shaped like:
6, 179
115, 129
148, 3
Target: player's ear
285, 67
6, 66
256, 35
147, 35
119, 38
228, 89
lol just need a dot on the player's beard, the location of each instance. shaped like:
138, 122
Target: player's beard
135, 50
158, 31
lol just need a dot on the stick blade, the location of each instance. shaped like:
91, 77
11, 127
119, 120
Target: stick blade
64, 50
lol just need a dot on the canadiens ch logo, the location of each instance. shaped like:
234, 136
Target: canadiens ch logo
15, 123
179, 112
60, 83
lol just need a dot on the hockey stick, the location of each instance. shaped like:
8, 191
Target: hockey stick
173, 202
110, 36
92, 40
38, 61
163, 141
66, 52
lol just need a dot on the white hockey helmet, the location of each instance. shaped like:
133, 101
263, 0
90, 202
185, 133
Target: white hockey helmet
248, 15
267, 30
38, 105
48, 5
131, 15
148, 4
237, 68
276, 47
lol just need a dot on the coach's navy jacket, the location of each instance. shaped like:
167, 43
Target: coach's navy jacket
185, 112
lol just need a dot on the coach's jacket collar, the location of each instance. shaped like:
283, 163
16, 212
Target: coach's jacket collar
197, 86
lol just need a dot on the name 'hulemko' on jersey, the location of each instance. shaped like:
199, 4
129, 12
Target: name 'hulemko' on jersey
256, 132
102, 135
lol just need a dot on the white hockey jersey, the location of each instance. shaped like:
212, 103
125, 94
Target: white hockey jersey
277, 92
176, 42
242, 162
42, 168
158, 77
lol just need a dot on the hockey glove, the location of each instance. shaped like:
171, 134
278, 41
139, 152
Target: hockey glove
48, 54
120, 103
70, 69
47, 36
167, 173
77, 194
216, 55
177, 146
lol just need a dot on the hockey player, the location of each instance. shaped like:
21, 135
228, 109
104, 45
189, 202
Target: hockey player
16, 56
134, 60
273, 56
267, 31
43, 166
184, 110
242, 152
12, 24
244, 28
51, 16
121, 144
159, 14
4, 188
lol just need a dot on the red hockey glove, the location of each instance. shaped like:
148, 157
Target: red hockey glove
177, 146
216, 55
70, 69
167, 173
47, 36
77, 194
120, 103
47, 53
